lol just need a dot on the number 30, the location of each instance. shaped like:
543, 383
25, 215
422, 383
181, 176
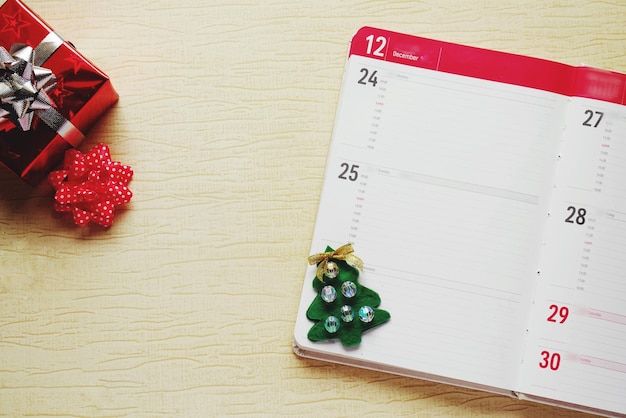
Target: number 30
550, 360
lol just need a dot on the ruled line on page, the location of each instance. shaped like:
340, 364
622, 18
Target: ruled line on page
460, 185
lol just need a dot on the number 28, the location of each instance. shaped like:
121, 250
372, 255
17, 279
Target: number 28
576, 215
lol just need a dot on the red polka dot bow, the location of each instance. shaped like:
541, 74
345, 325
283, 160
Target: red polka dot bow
91, 186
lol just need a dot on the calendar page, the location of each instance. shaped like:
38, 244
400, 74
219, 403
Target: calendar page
577, 346
441, 173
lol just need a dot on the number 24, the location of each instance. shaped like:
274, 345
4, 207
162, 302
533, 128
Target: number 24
372, 79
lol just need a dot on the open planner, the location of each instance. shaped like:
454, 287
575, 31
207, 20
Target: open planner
486, 194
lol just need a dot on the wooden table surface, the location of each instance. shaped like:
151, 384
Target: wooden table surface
186, 306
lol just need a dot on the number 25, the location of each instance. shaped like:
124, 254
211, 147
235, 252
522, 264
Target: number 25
349, 172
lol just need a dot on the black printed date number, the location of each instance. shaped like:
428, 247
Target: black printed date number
349, 172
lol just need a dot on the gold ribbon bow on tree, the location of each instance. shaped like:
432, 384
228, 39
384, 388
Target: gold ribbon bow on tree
345, 253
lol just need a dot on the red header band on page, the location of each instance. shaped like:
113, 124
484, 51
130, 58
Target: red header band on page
490, 65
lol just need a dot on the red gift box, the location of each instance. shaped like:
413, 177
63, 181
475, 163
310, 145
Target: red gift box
50, 94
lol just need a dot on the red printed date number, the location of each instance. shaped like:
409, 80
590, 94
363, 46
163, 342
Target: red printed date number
550, 361
558, 313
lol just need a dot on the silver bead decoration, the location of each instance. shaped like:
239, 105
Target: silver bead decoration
332, 270
328, 294
331, 324
366, 314
347, 315
348, 289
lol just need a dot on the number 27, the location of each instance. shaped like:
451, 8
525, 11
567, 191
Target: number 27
590, 114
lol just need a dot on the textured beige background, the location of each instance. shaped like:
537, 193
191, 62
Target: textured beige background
186, 306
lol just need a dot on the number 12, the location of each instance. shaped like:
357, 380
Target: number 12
381, 42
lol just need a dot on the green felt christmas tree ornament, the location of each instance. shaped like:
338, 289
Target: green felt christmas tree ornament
343, 308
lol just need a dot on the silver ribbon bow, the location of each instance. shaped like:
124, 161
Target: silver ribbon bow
24, 88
